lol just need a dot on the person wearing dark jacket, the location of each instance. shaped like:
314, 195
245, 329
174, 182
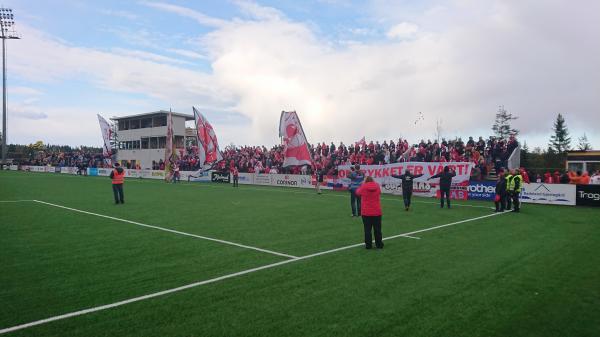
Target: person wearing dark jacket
445, 184
500, 198
118, 178
319, 179
370, 193
356, 179
407, 186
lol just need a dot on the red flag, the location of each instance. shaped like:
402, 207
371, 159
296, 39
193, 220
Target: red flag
208, 145
296, 147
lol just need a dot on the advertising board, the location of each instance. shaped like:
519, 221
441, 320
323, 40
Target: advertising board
587, 195
552, 194
481, 190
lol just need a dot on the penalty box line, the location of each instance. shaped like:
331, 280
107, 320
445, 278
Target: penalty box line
169, 230
221, 278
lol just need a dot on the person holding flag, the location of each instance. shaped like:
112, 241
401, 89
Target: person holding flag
407, 186
176, 174
319, 175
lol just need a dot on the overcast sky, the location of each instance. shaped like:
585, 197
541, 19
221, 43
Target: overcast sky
379, 69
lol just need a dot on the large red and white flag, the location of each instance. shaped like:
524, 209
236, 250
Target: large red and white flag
296, 147
170, 155
107, 135
208, 146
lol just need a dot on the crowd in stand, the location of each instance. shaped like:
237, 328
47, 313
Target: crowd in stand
485, 154
64, 156
570, 177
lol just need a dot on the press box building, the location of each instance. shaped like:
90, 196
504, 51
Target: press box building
142, 138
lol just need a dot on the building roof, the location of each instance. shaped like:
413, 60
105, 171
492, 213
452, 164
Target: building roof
155, 113
583, 153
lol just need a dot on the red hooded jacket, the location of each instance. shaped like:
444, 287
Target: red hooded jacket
370, 201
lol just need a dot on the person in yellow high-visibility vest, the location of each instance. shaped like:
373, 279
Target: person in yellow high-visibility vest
514, 187
118, 178
509, 180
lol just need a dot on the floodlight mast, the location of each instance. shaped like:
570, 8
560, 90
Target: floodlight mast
7, 31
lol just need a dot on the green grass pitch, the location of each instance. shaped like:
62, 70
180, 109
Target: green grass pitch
531, 274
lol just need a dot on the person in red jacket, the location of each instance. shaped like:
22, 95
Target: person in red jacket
556, 177
370, 192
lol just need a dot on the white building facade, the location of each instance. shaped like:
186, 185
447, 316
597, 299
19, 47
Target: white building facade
142, 138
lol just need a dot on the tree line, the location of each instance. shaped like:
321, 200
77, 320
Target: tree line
551, 158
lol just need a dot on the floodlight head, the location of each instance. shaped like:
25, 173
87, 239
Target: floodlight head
7, 23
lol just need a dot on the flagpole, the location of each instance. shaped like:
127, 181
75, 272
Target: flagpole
7, 28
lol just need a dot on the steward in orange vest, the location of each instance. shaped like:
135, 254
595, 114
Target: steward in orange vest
118, 178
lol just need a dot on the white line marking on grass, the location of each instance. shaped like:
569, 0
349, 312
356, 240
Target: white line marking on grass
220, 278
170, 230
442, 226
141, 298
12, 201
411, 237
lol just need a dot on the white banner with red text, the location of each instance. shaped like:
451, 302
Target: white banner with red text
423, 187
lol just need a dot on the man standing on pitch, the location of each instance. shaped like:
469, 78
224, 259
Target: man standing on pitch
118, 178
500, 198
319, 179
356, 179
235, 173
371, 212
445, 184
514, 188
509, 181
407, 186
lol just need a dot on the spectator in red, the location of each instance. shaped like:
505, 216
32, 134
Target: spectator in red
525, 175
370, 193
556, 177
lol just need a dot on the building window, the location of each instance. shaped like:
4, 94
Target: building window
159, 121
179, 142
134, 124
123, 125
145, 143
154, 143
147, 123
162, 142
136, 144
